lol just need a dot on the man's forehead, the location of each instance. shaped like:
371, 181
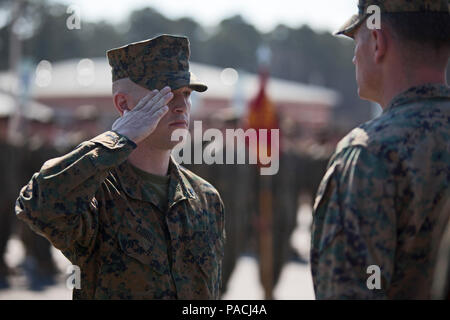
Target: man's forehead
182, 89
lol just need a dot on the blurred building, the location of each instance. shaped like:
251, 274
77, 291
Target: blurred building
80, 90
37, 117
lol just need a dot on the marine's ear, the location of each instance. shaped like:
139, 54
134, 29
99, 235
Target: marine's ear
121, 102
380, 44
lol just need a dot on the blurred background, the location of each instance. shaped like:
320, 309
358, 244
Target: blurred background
55, 91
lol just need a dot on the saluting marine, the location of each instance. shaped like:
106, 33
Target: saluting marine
139, 225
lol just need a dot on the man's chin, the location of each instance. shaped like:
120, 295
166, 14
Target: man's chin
169, 145
158, 145
173, 144
364, 95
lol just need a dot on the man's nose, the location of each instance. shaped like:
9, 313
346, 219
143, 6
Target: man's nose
179, 105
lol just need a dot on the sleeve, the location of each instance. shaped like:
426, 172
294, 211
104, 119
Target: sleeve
354, 227
222, 231
58, 202
220, 246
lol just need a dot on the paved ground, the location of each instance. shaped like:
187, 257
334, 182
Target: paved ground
295, 281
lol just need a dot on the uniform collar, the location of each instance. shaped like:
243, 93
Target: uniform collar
135, 187
179, 186
426, 91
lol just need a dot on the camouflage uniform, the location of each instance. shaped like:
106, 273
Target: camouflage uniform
93, 207
105, 219
441, 279
381, 201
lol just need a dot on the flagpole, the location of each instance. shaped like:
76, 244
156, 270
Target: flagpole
265, 235
265, 198
15, 120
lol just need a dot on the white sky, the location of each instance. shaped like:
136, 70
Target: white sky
265, 15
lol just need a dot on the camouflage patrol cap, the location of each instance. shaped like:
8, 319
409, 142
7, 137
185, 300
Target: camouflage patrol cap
391, 6
155, 63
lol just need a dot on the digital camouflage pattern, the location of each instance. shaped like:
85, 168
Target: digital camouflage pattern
392, 6
441, 279
155, 63
91, 205
381, 201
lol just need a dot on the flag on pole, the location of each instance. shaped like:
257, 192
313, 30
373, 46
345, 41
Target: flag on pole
262, 115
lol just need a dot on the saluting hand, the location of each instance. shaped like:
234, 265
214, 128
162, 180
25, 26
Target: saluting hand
138, 123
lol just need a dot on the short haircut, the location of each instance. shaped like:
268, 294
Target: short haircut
427, 29
124, 85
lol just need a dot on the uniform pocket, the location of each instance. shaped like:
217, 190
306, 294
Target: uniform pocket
141, 242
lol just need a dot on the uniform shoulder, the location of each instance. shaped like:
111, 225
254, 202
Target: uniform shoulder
399, 126
368, 135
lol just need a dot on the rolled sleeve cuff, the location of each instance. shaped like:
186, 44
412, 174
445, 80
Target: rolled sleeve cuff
113, 140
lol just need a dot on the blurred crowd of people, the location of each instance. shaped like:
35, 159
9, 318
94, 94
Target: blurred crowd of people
300, 171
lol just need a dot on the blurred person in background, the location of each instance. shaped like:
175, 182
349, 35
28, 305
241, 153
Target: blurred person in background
10, 181
18, 161
38, 265
381, 201
234, 183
